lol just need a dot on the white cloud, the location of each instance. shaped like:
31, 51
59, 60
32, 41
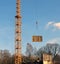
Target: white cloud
49, 24
55, 25
54, 41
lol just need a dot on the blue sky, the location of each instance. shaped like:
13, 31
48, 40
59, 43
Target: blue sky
46, 12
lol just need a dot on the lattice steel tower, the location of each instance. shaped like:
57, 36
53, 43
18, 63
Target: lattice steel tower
18, 55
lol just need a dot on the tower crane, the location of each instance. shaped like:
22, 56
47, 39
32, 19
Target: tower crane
18, 55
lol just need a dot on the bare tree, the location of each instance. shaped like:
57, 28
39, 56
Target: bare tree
53, 49
5, 57
34, 51
29, 50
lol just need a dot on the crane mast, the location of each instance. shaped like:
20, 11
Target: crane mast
18, 55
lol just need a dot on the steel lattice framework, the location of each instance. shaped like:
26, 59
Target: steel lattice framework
18, 55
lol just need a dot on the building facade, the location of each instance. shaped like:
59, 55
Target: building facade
47, 59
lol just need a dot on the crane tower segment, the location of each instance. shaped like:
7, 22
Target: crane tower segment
18, 55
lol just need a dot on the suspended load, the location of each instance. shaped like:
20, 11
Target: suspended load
36, 38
